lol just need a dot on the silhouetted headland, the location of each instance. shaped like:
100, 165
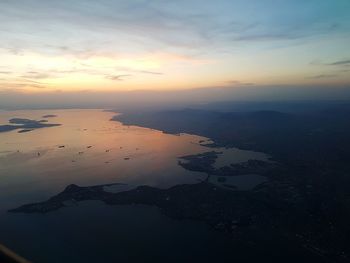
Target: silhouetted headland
273, 210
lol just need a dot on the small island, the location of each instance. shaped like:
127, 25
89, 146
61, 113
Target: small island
49, 116
202, 162
25, 125
24, 130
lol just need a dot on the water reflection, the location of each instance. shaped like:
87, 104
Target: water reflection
89, 149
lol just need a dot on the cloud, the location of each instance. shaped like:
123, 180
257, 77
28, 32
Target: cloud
340, 66
131, 70
89, 25
118, 77
323, 76
35, 75
239, 83
15, 86
340, 63
150, 72
66, 71
67, 36
36, 86
31, 81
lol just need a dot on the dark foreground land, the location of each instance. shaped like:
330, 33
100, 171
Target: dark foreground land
273, 212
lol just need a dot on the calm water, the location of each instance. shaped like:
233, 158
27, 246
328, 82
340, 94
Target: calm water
35, 165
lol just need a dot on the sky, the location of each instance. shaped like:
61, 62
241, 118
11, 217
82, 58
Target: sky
106, 47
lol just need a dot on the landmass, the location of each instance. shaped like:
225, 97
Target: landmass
305, 201
24, 130
202, 162
286, 136
274, 210
49, 116
25, 125
308, 180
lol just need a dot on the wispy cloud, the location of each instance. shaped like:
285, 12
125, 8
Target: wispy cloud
35, 75
10, 85
86, 40
340, 63
151, 72
118, 77
239, 83
154, 25
323, 76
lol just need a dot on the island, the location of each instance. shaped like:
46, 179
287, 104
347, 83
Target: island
24, 130
202, 162
49, 116
25, 125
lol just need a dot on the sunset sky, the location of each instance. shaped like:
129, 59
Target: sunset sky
105, 45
